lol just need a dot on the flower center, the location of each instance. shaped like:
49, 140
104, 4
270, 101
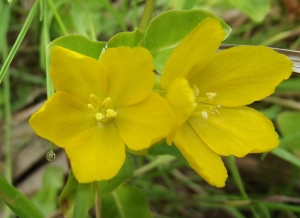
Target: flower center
103, 110
205, 108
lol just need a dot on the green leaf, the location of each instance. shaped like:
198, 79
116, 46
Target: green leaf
125, 202
79, 44
255, 9
46, 198
167, 30
84, 194
163, 149
66, 200
131, 39
288, 123
17, 202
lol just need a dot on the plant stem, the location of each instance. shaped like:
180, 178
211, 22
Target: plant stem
19, 40
283, 102
5, 14
147, 14
50, 88
7, 109
238, 181
97, 201
57, 17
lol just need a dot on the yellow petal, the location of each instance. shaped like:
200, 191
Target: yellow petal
203, 160
193, 52
77, 74
97, 154
241, 75
130, 74
61, 118
144, 123
235, 131
181, 99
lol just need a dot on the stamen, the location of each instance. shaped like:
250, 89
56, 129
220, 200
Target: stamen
219, 106
111, 113
91, 108
211, 95
94, 99
107, 102
196, 90
204, 114
99, 116
216, 112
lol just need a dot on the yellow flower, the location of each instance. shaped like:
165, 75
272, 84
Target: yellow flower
99, 106
207, 91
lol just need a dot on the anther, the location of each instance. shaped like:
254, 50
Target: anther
94, 99
211, 95
107, 102
99, 116
91, 108
196, 90
111, 113
204, 114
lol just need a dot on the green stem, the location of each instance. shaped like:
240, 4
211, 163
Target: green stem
19, 40
57, 17
97, 201
5, 15
147, 14
7, 108
50, 88
153, 164
238, 181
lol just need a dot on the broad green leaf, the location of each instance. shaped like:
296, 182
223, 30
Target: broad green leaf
131, 39
66, 200
79, 44
163, 149
255, 9
124, 174
288, 123
17, 202
167, 30
125, 202
46, 198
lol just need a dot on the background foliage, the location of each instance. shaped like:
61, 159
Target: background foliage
264, 186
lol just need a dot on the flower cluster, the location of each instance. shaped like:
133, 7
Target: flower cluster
101, 107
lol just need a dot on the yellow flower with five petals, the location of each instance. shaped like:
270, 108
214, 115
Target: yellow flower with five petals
101, 106
208, 91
